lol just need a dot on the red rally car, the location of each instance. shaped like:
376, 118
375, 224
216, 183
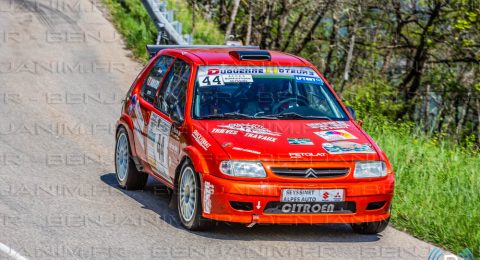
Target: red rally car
250, 136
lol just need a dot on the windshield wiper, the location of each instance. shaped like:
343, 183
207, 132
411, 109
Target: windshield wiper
298, 116
234, 116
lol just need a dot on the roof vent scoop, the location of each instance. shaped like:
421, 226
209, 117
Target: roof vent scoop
251, 55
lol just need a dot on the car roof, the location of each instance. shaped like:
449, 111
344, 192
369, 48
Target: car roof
221, 56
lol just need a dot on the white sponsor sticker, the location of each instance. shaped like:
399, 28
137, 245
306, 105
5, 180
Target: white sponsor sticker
152, 82
158, 137
335, 135
343, 147
208, 190
329, 125
237, 78
200, 139
210, 80
309, 195
137, 118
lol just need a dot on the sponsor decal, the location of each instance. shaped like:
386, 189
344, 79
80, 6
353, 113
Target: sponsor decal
261, 137
158, 143
174, 148
200, 140
237, 78
250, 128
137, 118
300, 141
224, 131
303, 155
242, 70
299, 195
332, 125
343, 147
308, 208
152, 82
133, 102
335, 135
269, 70
245, 150
210, 80
306, 79
257, 70
208, 190
213, 71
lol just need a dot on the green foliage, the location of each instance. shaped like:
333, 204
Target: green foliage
436, 190
138, 30
206, 32
133, 22
372, 96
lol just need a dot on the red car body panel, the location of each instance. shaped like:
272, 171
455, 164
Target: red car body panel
245, 145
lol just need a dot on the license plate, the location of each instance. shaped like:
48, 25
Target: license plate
304, 195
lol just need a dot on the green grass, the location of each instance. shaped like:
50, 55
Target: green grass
437, 191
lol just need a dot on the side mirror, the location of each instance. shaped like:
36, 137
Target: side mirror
352, 112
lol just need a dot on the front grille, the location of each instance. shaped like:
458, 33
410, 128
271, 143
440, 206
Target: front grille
310, 172
277, 207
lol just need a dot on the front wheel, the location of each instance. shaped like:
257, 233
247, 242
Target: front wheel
189, 199
370, 228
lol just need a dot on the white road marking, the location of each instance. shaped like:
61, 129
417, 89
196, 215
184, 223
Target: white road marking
9, 251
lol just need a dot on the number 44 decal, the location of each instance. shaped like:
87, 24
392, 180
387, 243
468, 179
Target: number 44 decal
211, 80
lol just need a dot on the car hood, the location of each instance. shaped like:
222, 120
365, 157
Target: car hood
286, 140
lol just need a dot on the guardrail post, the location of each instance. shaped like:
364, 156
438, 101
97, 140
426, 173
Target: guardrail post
168, 29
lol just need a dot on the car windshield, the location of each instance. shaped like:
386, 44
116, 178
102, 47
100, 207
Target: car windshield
226, 92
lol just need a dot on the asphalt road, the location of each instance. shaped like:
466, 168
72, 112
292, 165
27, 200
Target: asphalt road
63, 73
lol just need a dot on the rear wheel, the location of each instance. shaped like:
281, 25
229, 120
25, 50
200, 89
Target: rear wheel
189, 199
370, 227
128, 176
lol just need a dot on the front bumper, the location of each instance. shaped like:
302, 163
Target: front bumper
220, 192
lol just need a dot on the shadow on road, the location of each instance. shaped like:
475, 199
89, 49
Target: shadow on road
155, 197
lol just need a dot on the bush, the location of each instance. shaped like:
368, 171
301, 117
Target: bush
372, 96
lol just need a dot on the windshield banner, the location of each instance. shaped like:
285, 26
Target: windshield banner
219, 75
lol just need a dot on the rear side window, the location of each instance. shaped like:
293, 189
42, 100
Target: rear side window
172, 95
154, 78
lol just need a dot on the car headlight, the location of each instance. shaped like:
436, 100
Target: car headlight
249, 169
370, 169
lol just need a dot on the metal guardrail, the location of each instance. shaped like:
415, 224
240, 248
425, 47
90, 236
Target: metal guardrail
169, 30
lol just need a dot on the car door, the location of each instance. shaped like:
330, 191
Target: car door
166, 120
145, 102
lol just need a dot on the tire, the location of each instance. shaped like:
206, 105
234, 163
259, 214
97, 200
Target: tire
189, 199
370, 228
128, 177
